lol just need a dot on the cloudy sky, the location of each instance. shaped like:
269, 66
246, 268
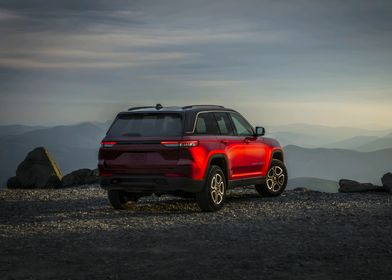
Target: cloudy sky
278, 62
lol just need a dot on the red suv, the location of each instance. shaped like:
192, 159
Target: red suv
199, 150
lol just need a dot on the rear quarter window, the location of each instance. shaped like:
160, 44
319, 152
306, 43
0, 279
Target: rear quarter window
147, 125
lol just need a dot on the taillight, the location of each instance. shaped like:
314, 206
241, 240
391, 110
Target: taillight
186, 144
108, 144
181, 144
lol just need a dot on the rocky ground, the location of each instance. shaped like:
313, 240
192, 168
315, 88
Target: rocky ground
74, 234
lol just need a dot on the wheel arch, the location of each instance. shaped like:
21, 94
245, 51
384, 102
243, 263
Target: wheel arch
221, 161
277, 154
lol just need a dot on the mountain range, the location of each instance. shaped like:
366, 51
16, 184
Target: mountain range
320, 152
316, 136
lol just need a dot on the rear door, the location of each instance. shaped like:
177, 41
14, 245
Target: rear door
141, 143
231, 144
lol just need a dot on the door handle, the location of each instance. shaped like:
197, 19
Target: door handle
246, 141
224, 142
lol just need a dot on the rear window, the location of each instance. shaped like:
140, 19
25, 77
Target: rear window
206, 124
147, 125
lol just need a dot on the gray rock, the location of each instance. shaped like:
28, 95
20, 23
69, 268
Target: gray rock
79, 177
12, 183
347, 186
37, 170
387, 182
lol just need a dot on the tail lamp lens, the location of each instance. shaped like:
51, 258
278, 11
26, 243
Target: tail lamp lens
108, 144
181, 144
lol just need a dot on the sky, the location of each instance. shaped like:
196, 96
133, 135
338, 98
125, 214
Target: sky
277, 62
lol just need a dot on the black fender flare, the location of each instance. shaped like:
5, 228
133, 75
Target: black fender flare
219, 156
277, 151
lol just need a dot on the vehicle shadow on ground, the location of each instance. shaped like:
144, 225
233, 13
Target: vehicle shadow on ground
32, 211
99, 208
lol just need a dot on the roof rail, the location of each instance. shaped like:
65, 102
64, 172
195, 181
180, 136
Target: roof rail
195, 106
141, 107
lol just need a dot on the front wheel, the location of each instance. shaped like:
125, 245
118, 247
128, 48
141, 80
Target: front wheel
276, 179
212, 197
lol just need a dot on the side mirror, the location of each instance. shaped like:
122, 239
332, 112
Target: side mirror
260, 131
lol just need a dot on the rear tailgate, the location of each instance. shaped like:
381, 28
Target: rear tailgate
135, 144
140, 157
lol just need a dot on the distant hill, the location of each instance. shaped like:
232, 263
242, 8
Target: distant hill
352, 143
300, 139
72, 146
316, 184
377, 144
334, 164
312, 136
8, 130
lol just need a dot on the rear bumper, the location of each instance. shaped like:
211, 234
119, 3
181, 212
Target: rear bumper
151, 184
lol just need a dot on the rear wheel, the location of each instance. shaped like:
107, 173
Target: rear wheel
212, 197
120, 199
276, 180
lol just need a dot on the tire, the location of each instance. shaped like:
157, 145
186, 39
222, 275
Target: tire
275, 181
119, 199
213, 195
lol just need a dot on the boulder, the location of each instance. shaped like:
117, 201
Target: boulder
12, 183
347, 186
79, 177
37, 170
387, 182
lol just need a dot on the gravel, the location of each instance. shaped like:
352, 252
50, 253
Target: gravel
74, 234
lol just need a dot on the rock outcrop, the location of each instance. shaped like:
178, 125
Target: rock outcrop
387, 182
80, 177
347, 186
37, 170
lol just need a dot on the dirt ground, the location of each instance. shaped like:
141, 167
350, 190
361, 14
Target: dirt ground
75, 234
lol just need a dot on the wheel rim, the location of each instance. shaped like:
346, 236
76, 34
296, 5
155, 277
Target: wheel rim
217, 189
275, 179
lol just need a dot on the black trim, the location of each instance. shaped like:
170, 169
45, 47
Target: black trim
246, 182
276, 152
223, 156
151, 184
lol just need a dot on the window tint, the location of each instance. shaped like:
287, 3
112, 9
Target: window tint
206, 124
241, 125
145, 125
224, 123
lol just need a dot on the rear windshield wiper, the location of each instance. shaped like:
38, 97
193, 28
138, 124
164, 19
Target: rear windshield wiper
130, 134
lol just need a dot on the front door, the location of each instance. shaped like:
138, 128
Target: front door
253, 155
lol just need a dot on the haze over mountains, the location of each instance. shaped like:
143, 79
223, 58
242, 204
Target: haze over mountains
316, 136
315, 155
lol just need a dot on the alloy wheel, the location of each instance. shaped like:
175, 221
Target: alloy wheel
275, 178
217, 189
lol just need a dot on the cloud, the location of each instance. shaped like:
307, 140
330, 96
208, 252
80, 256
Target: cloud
74, 59
232, 52
6, 15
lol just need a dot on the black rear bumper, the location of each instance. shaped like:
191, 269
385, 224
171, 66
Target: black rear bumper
151, 184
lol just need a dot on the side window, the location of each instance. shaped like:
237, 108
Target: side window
224, 123
206, 124
241, 125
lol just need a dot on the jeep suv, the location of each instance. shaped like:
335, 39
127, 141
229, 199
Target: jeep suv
198, 150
